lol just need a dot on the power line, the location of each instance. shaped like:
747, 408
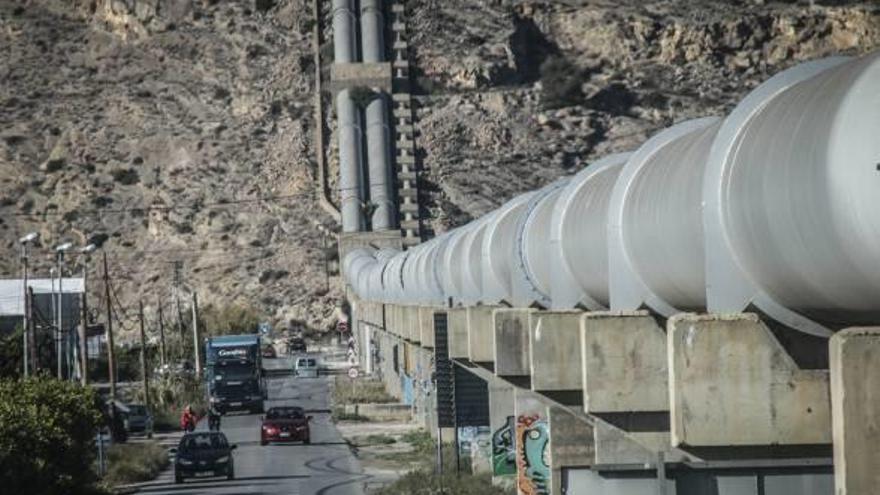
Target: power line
145, 209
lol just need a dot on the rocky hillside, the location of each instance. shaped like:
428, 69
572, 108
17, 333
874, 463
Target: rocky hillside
526, 91
154, 128
170, 130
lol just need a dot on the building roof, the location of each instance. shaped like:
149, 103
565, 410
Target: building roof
12, 291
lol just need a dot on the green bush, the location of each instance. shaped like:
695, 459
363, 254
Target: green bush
133, 463
231, 319
360, 391
47, 436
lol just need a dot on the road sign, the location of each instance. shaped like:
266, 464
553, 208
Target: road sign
265, 328
353, 373
342, 326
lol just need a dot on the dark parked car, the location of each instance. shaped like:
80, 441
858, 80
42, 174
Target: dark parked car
296, 344
285, 424
138, 420
201, 455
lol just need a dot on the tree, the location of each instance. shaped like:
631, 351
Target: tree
47, 435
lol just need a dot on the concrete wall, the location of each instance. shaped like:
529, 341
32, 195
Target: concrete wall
457, 328
511, 342
481, 334
555, 355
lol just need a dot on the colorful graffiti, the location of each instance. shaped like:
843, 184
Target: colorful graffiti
504, 449
532, 449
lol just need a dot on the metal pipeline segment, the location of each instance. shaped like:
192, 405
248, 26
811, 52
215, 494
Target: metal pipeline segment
531, 272
372, 31
379, 161
352, 266
451, 265
472, 264
792, 197
655, 228
499, 252
344, 42
579, 237
351, 189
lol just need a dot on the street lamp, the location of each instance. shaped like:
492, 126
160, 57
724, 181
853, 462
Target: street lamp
24, 241
59, 259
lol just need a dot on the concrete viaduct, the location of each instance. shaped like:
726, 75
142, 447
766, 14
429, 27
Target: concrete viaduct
692, 317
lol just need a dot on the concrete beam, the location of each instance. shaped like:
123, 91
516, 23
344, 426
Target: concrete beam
555, 355
571, 444
481, 332
511, 343
732, 383
412, 324
855, 402
457, 332
624, 363
360, 75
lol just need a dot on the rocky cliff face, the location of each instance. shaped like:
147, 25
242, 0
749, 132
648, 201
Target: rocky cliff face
155, 127
524, 92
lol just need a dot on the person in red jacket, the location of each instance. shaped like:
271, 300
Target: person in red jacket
188, 419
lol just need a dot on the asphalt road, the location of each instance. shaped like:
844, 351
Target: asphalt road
326, 467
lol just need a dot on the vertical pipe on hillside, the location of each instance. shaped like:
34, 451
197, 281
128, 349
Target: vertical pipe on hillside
378, 135
379, 160
350, 163
344, 46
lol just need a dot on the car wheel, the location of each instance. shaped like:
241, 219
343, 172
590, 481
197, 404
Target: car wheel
307, 441
150, 435
230, 473
264, 443
178, 478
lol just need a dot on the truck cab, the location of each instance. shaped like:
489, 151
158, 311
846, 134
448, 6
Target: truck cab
234, 374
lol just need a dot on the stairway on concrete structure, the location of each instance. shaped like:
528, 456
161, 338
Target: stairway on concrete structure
404, 134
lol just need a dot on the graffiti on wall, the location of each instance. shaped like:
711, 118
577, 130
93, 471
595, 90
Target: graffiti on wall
504, 449
532, 452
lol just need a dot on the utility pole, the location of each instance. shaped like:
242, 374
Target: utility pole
32, 330
144, 356
83, 337
27, 340
195, 309
111, 361
178, 266
161, 336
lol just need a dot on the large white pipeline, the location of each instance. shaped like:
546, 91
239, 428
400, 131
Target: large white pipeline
774, 207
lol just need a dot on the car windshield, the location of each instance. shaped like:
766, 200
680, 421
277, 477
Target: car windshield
285, 413
306, 363
137, 410
203, 442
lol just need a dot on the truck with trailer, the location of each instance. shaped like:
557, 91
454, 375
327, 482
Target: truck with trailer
234, 375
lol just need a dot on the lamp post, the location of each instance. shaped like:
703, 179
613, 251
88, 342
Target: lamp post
24, 241
59, 259
324, 234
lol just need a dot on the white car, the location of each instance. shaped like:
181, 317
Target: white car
306, 367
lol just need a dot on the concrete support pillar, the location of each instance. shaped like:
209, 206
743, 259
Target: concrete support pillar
555, 355
855, 402
511, 344
624, 363
502, 423
571, 444
344, 39
532, 430
351, 191
731, 383
413, 324
481, 332
426, 326
457, 331
379, 160
372, 31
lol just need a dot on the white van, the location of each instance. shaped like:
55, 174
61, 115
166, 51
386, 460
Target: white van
306, 367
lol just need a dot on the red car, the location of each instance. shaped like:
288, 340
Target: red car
269, 352
285, 424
